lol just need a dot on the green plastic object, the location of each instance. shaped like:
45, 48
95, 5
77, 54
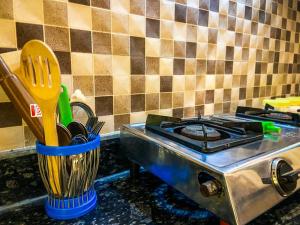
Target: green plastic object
65, 112
270, 128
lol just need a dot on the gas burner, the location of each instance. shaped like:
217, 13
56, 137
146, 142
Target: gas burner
199, 132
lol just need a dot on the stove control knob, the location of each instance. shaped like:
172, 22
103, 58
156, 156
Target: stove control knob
283, 177
210, 188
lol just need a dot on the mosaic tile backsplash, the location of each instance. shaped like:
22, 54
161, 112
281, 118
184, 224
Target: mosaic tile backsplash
180, 58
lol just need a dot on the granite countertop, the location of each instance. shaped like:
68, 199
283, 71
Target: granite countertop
121, 200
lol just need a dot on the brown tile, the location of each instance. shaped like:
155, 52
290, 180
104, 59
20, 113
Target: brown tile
55, 13
138, 103
57, 38
64, 59
220, 67
165, 100
228, 67
137, 46
227, 95
153, 8
120, 44
226, 107
232, 8
204, 4
231, 23
203, 18
192, 15
180, 13
218, 108
104, 105
81, 2
101, 20
27, 32
188, 112
178, 66
85, 84
101, 43
6, 9
152, 101
137, 7
152, 28
137, 65
229, 52
9, 116
242, 93
178, 113
178, 98
101, 3
152, 65
211, 67
103, 85
166, 83
122, 104
30, 139
80, 41
212, 36
166, 48
199, 98
179, 49
137, 84
201, 67
119, 120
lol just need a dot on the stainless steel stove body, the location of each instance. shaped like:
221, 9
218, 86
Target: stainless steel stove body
237, 184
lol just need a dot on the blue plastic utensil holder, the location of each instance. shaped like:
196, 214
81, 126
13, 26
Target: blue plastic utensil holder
64, 208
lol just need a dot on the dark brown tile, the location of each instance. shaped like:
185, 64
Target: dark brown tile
81, 41
9, 116
55, 13
228, 67
227, 95
103, 85
152, 101
218, 108
212, 36
229, 53
137, 65
248, 13
57, 38
137, 46
204, 4
192, 15
178, 113
166, 83
191, 49
199, 110
209, 96
165, 100
242, 93
101, 43
203, 18
214, 5
232, 8
137, 84
153, 8
254, 28
180, 13
81, 2
3, 50
6, 9
64, 60
119, 120
85, 84
178, 66
138, 103
101, 3
211, 66
27, 32
104, 105
137, 7
179, 49
152, 28
152, 65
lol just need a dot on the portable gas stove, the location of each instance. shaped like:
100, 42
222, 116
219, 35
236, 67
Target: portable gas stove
224, 163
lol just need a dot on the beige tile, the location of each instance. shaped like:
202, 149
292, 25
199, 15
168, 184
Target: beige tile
218, 95
80, 16
12, 59
178, 83
166, 29
165, 66
191, 35
189, 98
213, 19
29, 11
137, 25
121, 85
120, 23
121, 104
101, 20
102, 64
152, 47
82, 63
8, 34
6, 9
109, 124
167, 10
85, 84
3, 96
208, 109
120, 65
152, 84
202, 35
120, 6
190, 83
202, 49
138, 117
179, 31
67, 80
210, 81
11, 137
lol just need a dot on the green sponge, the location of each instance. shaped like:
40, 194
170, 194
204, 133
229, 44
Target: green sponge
269, 127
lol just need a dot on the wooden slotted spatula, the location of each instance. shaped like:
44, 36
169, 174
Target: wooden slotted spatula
40, 74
